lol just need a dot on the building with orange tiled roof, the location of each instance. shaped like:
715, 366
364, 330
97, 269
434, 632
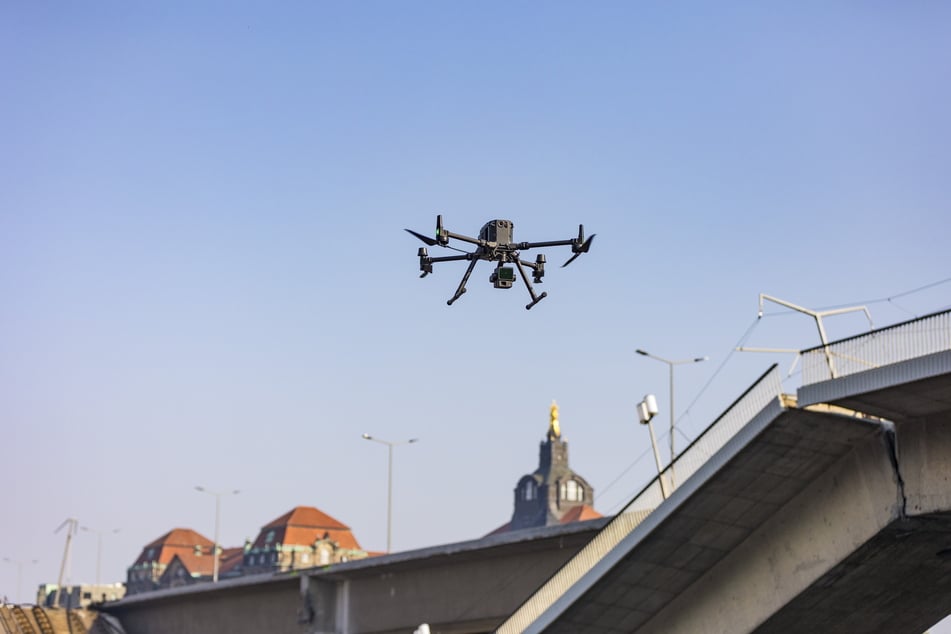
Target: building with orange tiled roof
553, 494
303, 537
191, 550
182, 572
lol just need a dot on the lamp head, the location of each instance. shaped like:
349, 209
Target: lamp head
647, 409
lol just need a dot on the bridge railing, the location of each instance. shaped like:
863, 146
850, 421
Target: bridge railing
900, 342
767, 389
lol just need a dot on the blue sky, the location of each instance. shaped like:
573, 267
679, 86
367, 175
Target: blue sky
206, 281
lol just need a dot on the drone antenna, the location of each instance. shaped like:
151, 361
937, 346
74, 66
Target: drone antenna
441, 236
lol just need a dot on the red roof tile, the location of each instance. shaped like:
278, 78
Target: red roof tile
580, 513
178, 541
307, 516
303, 525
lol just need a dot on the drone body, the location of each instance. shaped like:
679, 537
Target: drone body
496, 244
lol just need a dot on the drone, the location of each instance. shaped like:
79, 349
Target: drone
495, 244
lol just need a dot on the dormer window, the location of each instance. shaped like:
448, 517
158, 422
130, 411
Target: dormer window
528, 491
571, 491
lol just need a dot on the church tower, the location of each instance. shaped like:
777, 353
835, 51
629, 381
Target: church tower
553, 494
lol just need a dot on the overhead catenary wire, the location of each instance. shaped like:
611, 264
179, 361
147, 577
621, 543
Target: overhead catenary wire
890, 299
745, 337
742, 340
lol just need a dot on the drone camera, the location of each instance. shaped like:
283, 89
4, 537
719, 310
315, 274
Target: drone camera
503, 277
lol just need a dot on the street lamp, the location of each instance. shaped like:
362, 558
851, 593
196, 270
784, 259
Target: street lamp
218, 495
389, 480
646, 410
19, 565
671, 364
98, 546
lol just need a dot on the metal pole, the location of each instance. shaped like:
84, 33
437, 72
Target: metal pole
660, 469
19, 565
214, 578
70, 524
98, 556
670, 364
389, 482
672, 452
817, 315
98, 533
218, 495
389, 499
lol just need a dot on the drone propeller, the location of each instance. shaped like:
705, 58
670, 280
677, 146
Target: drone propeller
580, 246
429, 241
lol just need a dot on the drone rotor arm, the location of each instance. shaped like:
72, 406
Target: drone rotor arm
457, 236
451, 258
549, 243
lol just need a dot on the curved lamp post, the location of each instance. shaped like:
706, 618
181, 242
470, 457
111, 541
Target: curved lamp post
99, 534
218, 495
670, 364
389, 480
19, 564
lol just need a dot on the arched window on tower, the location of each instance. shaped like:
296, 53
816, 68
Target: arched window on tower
528, 490
571, 491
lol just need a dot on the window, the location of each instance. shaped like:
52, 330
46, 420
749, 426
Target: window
571, 491
269, 538
528, 491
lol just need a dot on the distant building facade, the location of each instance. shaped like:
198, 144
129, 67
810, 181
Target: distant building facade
303, 537
185, 551
553, 493
78, 596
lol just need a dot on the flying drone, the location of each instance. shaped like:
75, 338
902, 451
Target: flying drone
495, 244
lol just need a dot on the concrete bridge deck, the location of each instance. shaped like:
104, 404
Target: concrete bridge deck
816, 516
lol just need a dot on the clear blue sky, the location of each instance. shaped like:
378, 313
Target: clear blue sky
204, 277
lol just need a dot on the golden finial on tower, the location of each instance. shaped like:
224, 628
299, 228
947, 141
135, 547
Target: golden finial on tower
554, 430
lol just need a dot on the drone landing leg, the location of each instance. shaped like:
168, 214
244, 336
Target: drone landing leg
528, 285
462, 284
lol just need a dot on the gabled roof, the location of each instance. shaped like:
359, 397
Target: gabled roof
307, 516
303, 525
178, 541
195, 566
180, 537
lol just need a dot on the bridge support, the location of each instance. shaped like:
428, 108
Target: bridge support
869, 535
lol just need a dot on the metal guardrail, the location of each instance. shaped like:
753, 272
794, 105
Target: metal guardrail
900, 342
765, 390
